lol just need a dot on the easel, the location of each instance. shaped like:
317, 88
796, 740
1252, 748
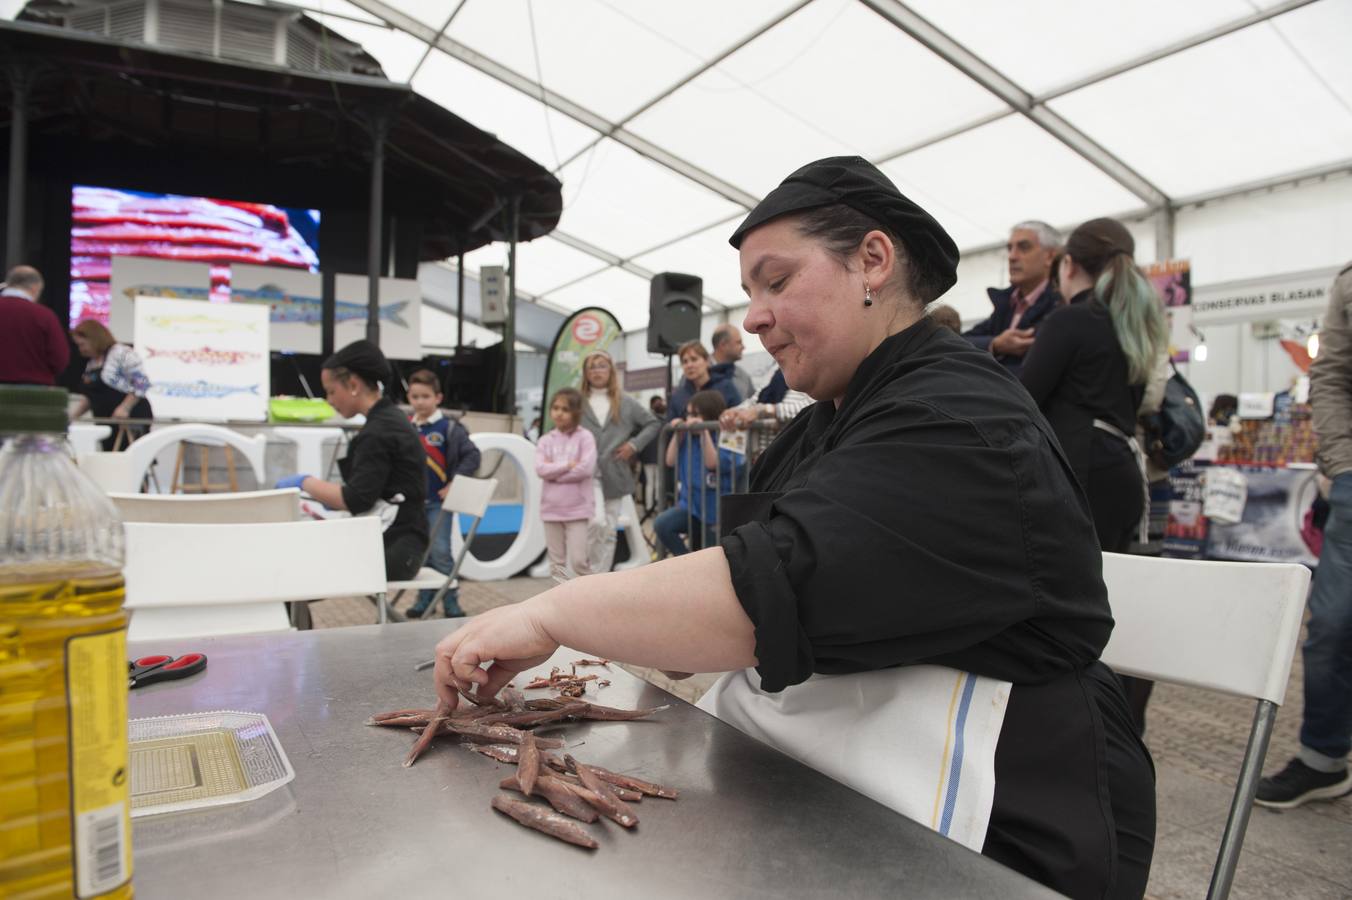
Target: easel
204, 485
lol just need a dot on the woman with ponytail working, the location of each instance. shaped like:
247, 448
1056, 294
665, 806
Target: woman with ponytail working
1089, 368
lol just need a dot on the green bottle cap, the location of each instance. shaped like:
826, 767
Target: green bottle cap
31, 408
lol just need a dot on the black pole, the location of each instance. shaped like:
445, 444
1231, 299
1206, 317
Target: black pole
380, 128
18, 164
329, 292
460, 301
509, 332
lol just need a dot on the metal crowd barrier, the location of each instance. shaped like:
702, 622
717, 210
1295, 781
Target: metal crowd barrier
759, 435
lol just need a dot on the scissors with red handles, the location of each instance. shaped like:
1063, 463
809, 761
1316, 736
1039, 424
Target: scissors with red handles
150, 669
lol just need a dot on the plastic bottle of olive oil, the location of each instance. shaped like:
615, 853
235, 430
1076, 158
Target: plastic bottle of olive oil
65, 827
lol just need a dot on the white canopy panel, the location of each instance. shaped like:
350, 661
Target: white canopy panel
671, 119
1268, 99
676, 116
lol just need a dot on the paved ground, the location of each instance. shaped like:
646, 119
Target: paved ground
1197, 739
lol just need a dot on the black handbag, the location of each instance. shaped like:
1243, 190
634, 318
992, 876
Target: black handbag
1173, 434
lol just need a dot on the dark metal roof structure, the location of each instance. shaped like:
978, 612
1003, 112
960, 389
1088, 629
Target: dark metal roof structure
458, 179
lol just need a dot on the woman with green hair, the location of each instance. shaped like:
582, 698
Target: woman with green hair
1089, 368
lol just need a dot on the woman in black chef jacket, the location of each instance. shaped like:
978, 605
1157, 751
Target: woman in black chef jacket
384, 469
920, 514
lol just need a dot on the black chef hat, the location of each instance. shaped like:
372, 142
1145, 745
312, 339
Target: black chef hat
363, 359
858, 184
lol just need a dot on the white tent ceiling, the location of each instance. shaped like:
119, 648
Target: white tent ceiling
666, 121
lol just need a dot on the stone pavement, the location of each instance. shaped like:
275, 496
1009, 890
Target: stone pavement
1197, 739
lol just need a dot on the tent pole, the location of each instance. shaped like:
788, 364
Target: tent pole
19, 83
509, 332
380, 129
1164, 234
460, 300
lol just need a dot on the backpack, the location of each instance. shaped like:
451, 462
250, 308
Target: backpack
1173, 434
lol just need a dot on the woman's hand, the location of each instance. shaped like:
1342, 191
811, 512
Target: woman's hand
511, 638
737, 417
624, 452
121, 411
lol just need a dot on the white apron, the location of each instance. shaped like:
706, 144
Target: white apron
918, 739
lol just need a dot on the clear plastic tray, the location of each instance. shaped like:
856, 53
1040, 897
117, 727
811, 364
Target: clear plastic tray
203, 759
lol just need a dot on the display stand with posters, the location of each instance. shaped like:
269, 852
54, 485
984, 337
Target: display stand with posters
1172, 280
205, 361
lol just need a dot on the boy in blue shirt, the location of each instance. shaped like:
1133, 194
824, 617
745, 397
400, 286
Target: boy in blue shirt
450, 452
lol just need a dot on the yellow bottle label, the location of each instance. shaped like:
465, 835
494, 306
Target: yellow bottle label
96, 687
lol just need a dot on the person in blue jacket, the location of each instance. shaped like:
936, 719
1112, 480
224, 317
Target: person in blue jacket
1016, 311
704, 472
700, 375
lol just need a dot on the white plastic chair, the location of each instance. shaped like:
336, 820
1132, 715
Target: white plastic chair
198, 580
143, 450
114, 472
639, 554
1222, 626
282, 505
86, 437
468, 497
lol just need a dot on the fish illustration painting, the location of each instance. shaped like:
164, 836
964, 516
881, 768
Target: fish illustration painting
204, 355
286, 308
200, 324
201, 390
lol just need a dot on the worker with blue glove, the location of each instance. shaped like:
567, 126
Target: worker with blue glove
383, 469
292, 481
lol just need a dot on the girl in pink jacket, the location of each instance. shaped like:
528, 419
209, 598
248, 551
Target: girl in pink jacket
565, 460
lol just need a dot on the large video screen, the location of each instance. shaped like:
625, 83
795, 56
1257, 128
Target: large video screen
106, 222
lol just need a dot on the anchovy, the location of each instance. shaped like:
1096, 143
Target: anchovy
204, 355
202, 389
286, 308
199, 324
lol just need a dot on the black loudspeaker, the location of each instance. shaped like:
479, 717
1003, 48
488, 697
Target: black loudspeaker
674, 311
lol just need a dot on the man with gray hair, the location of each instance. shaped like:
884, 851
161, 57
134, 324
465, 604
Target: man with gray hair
23, 281
1030, 297
33, 345
728, 349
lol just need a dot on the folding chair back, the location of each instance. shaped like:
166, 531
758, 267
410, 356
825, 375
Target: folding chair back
210, 509
1222, 626
195, 580
468, 497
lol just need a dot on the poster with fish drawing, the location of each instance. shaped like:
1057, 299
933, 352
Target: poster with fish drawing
400, 314
133, 277
295, 302
292, 297
205, 361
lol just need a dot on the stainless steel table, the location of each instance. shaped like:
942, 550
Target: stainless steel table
750, 822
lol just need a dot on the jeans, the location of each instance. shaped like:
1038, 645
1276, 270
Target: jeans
1326, 728
440, 558
672, 526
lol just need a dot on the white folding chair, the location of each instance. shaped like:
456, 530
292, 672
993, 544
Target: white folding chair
197, 580
468, 497
1222, 626
282, 505
114, 472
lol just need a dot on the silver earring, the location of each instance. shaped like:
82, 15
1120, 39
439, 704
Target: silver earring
868, 295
